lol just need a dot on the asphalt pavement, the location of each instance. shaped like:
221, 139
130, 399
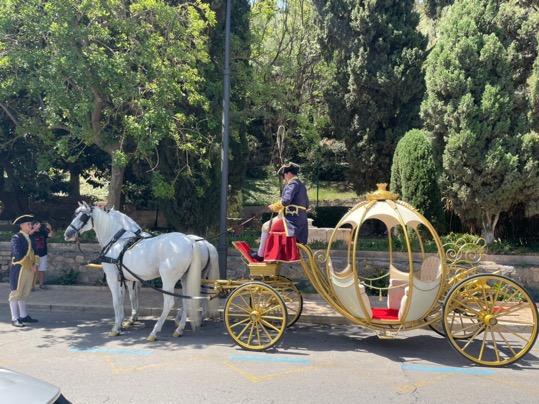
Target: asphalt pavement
312, 364
98, 300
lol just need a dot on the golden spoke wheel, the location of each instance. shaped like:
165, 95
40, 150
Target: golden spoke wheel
291, 296
490, 319
438, 325
255, 316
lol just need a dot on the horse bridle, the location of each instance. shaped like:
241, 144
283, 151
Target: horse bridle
84, 219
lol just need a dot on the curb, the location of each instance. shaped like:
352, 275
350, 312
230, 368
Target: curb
156, 312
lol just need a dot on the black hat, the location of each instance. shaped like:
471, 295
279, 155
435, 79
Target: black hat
289, 168
24, 219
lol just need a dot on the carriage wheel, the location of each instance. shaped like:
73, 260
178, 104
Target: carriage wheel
292, 299
255, 316
490, 319
438, 326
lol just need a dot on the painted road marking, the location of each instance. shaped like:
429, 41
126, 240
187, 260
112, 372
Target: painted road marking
115, 351
272, 359
447, 369
253, 378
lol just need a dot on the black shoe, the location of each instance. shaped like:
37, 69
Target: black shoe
27, 319
257, 257
17, 323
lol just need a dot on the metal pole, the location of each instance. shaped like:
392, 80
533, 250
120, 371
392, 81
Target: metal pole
224, 150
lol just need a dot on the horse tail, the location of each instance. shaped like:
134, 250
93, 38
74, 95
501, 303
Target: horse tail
213, 275
191, 287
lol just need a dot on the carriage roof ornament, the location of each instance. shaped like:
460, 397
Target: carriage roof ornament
382, 194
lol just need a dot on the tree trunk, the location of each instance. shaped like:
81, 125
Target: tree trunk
489, 222
115, 187
14, 204
117, 173
74, 184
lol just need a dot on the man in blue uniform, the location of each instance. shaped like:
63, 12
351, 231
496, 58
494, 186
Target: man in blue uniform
21, 272
292, 207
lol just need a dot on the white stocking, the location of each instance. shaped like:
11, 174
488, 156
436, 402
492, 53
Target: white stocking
14, 306
263, 238
22, 308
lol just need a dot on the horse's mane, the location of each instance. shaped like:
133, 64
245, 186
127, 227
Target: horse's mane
126, 221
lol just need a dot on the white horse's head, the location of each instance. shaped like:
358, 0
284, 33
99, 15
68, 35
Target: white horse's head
82, 222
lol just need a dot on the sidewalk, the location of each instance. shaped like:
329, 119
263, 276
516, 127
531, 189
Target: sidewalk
98, 300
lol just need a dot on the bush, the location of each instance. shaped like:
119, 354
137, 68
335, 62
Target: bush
414, 176
328, 216
68, 277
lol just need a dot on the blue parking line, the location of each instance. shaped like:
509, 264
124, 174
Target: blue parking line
115, 351
447, 369
270, 358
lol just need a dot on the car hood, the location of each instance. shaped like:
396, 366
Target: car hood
19, 388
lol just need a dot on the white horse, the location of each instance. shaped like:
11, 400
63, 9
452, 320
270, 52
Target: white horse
210, 271
171, 256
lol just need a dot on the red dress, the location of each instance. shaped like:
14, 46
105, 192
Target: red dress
280, 247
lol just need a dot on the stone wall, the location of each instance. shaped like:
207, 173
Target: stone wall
66, 259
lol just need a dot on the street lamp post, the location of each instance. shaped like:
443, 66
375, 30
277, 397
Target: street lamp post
223, 250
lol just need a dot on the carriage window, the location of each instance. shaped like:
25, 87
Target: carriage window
427, 260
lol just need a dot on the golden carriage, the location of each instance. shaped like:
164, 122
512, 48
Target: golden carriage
487, 317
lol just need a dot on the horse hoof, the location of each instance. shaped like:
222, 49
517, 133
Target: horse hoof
151, 338
114, 334
127, 324
177, 334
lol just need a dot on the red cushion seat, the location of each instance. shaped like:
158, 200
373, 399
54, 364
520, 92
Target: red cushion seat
384, 314
244, 250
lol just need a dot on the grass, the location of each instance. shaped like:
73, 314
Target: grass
264, 192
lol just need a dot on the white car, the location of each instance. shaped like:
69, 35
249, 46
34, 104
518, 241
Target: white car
19, 388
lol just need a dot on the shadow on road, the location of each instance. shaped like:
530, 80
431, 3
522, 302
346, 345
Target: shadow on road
86, 332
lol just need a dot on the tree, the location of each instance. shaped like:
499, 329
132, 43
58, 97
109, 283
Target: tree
433, 8
479, 111
289, 76
414, 176
378, 85
110, 73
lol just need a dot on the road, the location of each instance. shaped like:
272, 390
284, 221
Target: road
314, 364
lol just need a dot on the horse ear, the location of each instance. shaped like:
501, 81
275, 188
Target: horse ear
80, 204
86, 205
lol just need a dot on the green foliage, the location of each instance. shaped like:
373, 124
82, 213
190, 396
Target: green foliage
67, 277
327, 162
264, 192
289, 76
477, 110
194, 173
414, 176
119, 75
433, 8
162, 189
377, 87
329, 216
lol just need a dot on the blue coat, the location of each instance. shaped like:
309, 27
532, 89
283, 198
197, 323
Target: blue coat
295, 193
19, 250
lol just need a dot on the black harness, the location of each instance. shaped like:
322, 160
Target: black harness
118, 262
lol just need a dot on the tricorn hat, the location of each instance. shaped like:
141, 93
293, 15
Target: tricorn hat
24, 219
289, 168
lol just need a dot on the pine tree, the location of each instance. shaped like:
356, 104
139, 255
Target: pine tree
378, 84
478, 108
